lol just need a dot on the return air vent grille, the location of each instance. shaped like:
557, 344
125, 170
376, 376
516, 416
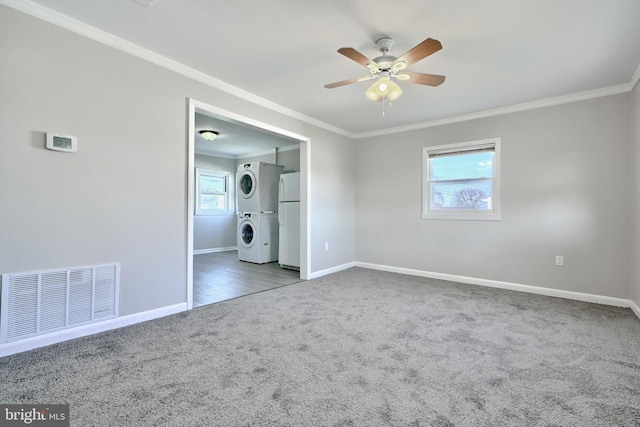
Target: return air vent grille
40, 302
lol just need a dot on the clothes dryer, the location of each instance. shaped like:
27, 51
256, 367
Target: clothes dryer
257, 187
258, 237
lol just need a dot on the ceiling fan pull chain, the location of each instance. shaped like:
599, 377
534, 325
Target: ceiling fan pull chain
386, 98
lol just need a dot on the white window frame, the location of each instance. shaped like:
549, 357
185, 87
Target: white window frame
461, 214
229, 207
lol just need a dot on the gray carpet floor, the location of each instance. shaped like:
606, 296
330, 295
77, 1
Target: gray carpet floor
354, 348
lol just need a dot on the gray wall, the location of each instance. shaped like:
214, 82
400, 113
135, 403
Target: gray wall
567, 189
635, 288
334, 168
267, 158
215, 231
290, 159
123, 196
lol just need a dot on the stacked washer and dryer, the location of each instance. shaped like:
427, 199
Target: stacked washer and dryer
257, 200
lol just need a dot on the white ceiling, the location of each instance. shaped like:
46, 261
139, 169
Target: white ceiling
496, 53
235, 139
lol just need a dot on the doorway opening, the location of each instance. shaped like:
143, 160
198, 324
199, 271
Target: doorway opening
270, 144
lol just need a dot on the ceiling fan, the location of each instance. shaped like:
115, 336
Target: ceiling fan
386, 68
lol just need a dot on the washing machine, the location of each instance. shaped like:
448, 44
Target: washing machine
258, 237
257, 187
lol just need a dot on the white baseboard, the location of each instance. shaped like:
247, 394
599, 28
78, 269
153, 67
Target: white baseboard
93, 328
578, 296
212, 250
635, 309
316, 274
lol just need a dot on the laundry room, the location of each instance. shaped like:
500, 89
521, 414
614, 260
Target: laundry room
242, 230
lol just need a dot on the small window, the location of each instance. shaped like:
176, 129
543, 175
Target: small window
462, 181
213, 195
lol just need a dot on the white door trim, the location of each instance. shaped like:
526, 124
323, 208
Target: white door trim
305, 193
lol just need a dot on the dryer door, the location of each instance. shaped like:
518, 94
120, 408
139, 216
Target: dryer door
248, 234
247, 184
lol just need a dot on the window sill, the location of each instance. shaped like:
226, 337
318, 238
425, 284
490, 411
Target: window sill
462, 216
221, 213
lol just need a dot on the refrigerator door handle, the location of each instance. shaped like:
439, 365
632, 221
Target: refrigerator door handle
280, 188
280, 196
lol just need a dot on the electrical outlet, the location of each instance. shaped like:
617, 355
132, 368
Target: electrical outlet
559, 261
326, 246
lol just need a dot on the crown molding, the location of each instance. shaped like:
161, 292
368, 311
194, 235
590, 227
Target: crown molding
575, 97
635, 78
289, 148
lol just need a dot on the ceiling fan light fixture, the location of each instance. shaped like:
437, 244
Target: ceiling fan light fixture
209, 135
383, 88
372, 95
394, 92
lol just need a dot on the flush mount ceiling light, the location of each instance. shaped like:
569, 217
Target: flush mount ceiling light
386, 68
209, 135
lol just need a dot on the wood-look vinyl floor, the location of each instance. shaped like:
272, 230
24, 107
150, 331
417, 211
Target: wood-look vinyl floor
221, 276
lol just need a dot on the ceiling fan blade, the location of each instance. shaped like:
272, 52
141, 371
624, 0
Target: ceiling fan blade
353, 54
348, 82
420, 78
421, 51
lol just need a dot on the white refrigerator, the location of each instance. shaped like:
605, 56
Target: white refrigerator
289, 220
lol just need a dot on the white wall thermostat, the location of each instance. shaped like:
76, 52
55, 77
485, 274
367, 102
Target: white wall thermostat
62, 142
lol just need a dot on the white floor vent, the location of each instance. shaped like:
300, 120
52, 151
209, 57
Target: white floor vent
40, 302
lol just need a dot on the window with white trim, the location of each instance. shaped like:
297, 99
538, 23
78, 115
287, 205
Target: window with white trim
213, 193
462, 181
